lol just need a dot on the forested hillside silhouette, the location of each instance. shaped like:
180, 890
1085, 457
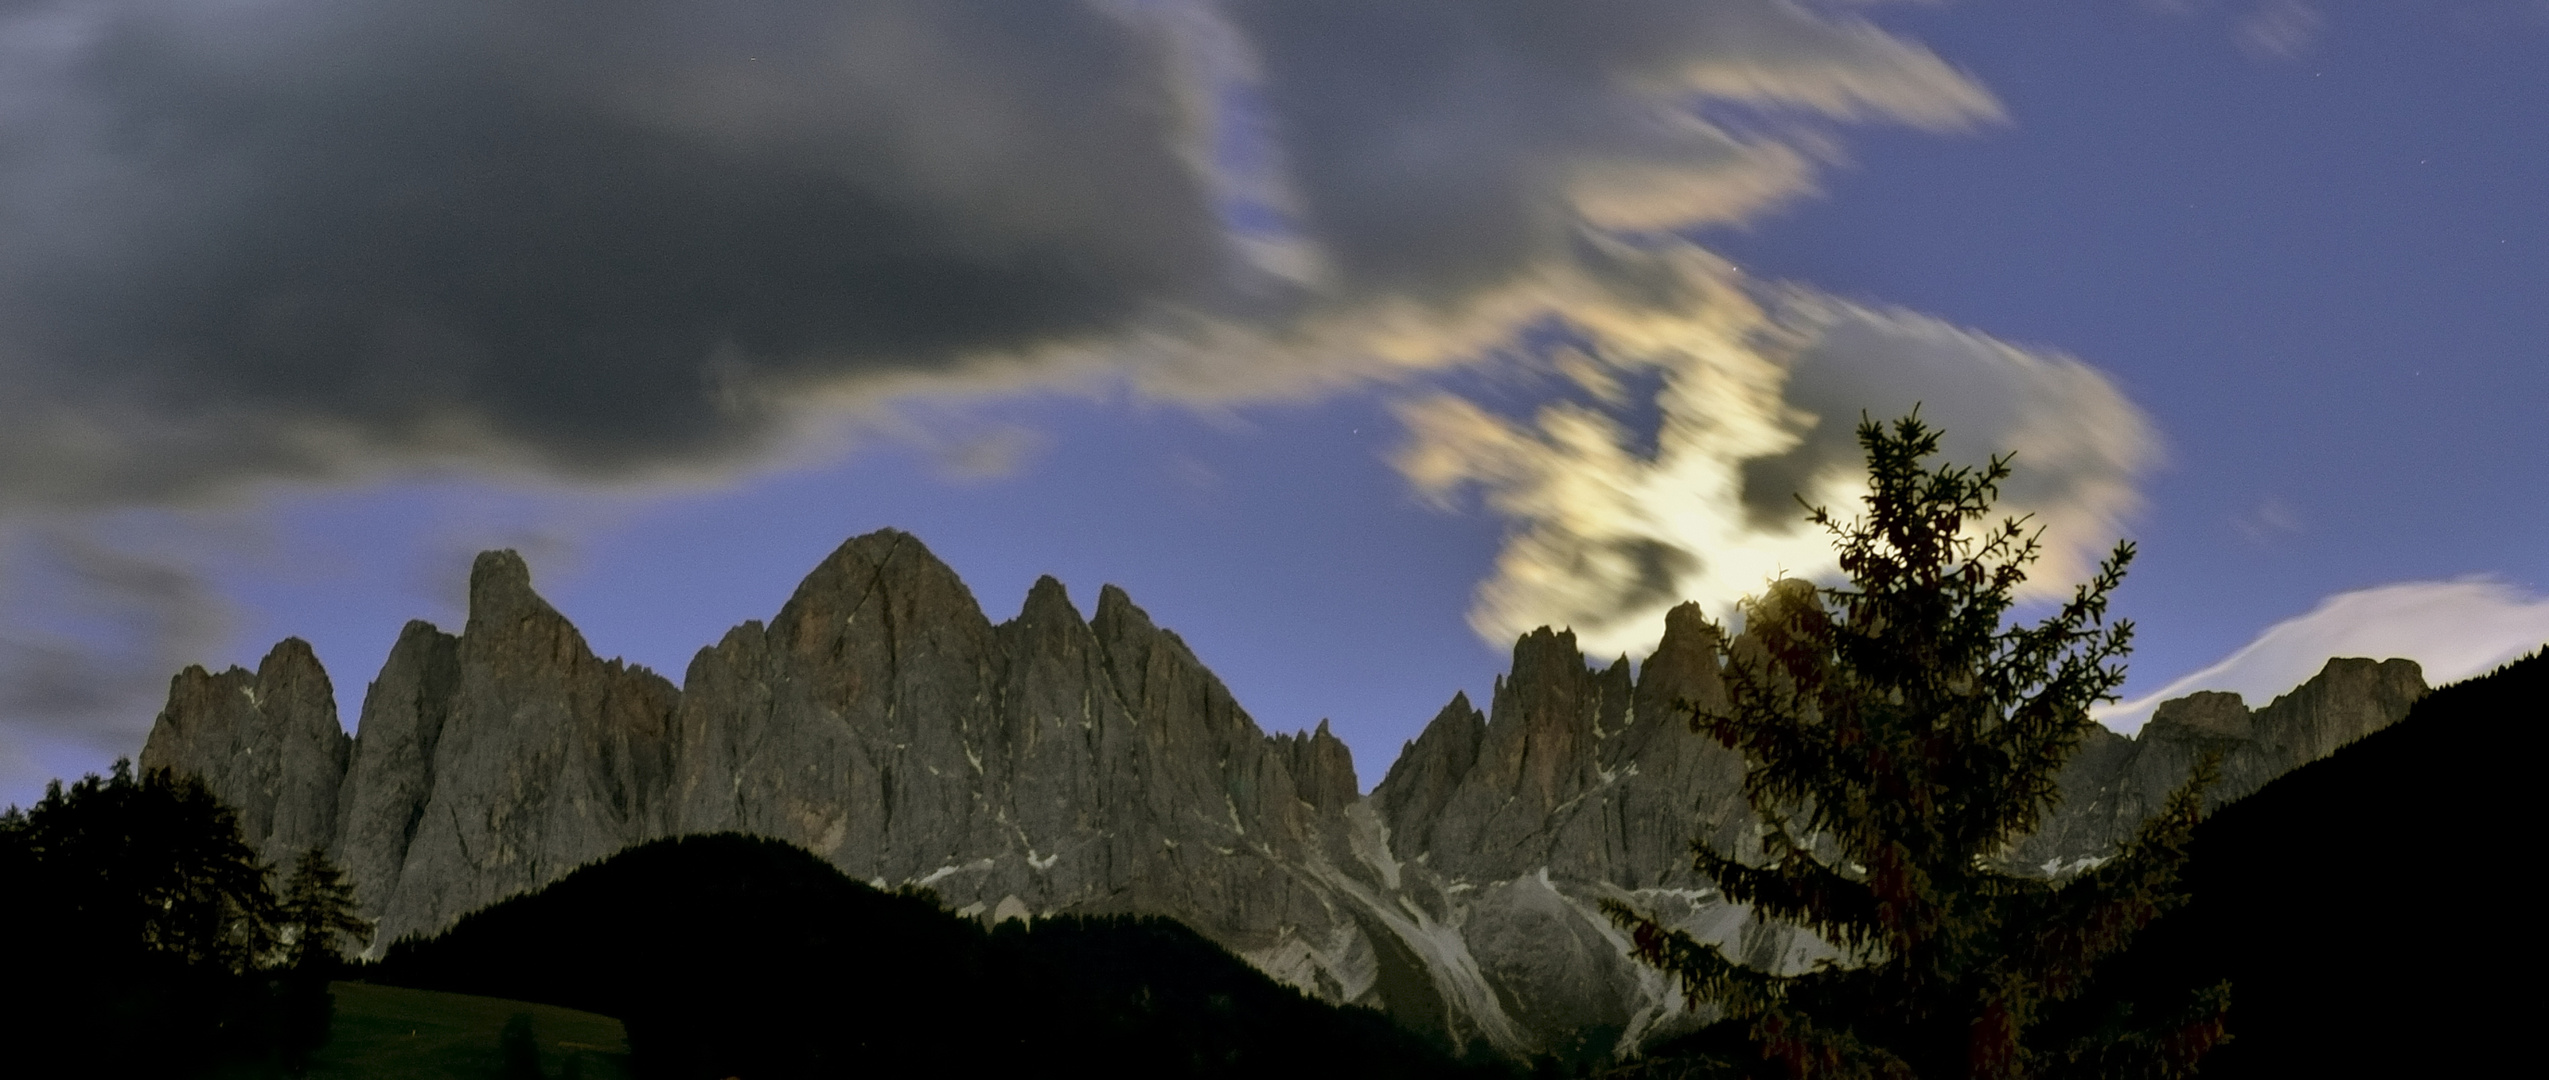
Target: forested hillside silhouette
2369, 910
729, 955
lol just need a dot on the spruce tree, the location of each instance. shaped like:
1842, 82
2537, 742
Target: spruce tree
155, 865
139, 923
317, 910
1899, 735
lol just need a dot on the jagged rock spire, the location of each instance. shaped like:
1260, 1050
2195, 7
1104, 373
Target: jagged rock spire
268, 743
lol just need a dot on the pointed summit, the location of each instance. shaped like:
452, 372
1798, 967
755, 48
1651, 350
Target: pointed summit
1681, 673
1322, 769
1686, 626
1048, 604
1429, 770
865, 579
885, 552
290, 658
293, 689
268, 742
500, 590
1118, 618
889, 550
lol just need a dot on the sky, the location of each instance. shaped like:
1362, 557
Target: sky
1353, 339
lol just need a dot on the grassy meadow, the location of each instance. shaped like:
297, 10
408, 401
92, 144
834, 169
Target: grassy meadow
392, 1033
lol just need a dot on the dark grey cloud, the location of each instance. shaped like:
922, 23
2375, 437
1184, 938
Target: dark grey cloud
1441, 145
264, 235
295, 238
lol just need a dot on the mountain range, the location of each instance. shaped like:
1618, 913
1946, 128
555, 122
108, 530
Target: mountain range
1090, 764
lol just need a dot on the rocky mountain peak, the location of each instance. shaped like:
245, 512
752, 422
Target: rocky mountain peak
1682, 673
390, 778
1118, 618
1322, 769
1688, 624
268, 743
2202, 714
1429, 770
500, 591
1545, 719
1049, 604
1545, 656
878, 578
293, 663
2350, 697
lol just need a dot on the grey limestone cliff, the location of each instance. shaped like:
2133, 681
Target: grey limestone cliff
1049, 763
267, 743
381, 804
1582, 784
545, 758
2117, 782
1062, 763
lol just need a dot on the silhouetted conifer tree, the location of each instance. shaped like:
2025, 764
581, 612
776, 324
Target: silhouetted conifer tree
1898, 739
138, 921
317, 911
155, 864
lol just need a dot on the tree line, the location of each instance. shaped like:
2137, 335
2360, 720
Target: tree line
142, 936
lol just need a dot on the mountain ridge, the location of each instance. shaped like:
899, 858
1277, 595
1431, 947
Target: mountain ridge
1059, 764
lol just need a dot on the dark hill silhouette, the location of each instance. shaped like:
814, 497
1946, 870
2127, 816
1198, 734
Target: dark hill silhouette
2369, 909
729, 955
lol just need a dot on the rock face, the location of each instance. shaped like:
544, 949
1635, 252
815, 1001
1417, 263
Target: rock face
2115, 783
1582, 784
268, 744
544, 758
1048, 763
391, 779
1055, 763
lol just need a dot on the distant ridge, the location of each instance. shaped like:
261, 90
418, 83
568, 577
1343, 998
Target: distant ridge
1061, 764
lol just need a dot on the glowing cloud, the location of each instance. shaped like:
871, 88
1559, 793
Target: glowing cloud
1758, 393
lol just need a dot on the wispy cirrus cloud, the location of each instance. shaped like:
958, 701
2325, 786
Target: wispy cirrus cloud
2453, 629
2281, 29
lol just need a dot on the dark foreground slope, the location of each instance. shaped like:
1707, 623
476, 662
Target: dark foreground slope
729, 955
2369, 909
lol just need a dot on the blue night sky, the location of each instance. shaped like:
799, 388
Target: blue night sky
1351, 339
